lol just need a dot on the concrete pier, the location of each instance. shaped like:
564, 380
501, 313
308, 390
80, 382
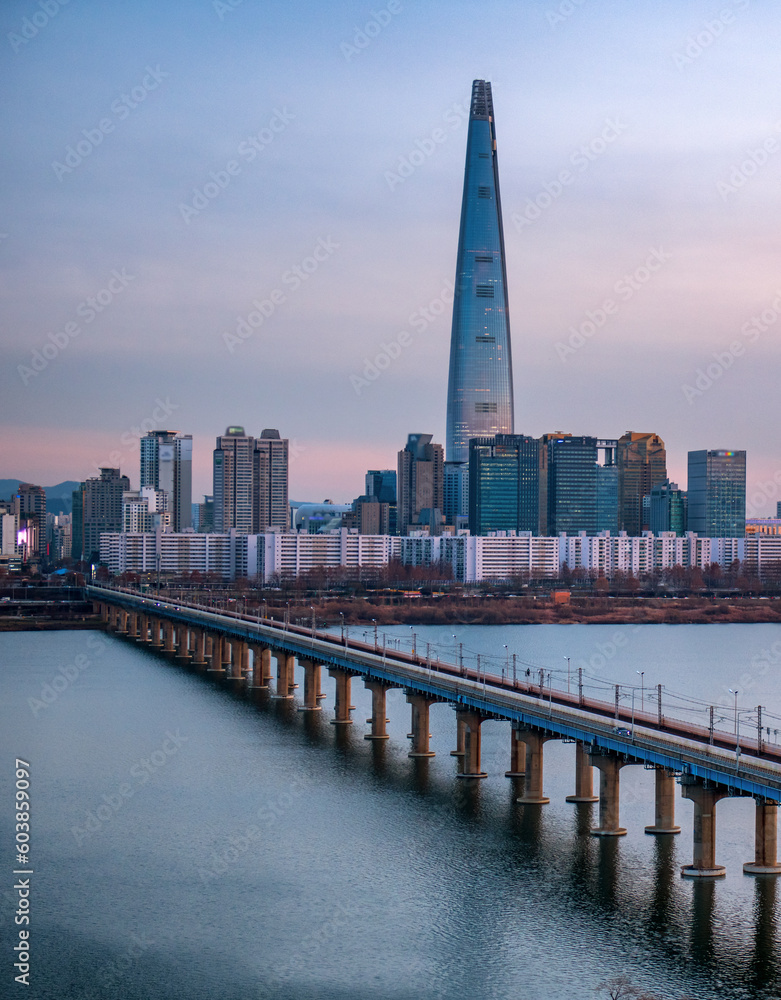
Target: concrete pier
285, 664
609, 787
168, 636
378, 720
154, 629
420, 733
704, 798
765, 840
584, 777
517, 755
199, 651
532, 789
215, 655
664, 821
261, 667
311, 686
182, 642
342, 705
460, 738
472, 722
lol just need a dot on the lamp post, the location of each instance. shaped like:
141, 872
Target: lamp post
374, 623
341, 617
414, 642
567, 659
642, 686
506, 662
311, 608
736, 693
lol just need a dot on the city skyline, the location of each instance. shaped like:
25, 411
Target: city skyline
639, 184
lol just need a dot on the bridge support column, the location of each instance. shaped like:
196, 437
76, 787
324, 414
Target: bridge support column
472, 723
342, 700
420, 705
199, 652
609, 787
155, 641
238, 654
517, 755
312, 671
532, 790
285, 664
132, 625
143, 628
183, 642
704, 799
215, 655
460, 737
584, 777
122, 618
261, 667
664, 821
765, 841
104, 612
378, 720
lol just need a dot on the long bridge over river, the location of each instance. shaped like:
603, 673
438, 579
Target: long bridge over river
707, 764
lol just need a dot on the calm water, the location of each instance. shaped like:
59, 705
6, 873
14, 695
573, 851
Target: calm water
188, 843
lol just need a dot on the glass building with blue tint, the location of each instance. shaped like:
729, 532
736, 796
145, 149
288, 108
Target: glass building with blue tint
717, 493
504, 484
480, 386
572, 485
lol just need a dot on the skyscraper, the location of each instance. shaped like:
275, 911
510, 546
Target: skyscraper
420, 483
251, 482
503, 484
167, 464
716, 493
642, 463
572, 484
269, 478
480, 385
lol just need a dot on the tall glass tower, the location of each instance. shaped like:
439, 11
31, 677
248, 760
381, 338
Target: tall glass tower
480, 386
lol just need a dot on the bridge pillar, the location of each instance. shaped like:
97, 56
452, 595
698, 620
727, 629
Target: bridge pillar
584, 777
183, 642
261, 667
285, 665
420, 704
665, 803
104, 612
472, 744
199, 652
238, 652
704, 799
122, 617
517, 755
143, 628
155, 642
532, 789
168, 634
378, 720
312, 671
609, 787
132, 625
342, 700
215, 655
460, 737
765, 841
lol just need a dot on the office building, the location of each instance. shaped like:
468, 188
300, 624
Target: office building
420, 484
480, 387
503, 484
250, 480
97, 508
642, 463
381, 483
668, 508
607, 486
269, 483
30, 513
166, 464
717, 493
571, 484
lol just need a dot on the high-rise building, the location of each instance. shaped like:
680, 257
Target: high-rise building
203, 515
571, 484
456, 494
381, 483
269, 482
167, 464
778, 508
642, 463
251, 482
716, 493
668, 508
97, 508
480, 386
420, 483
607, 486
503, 484
30, 512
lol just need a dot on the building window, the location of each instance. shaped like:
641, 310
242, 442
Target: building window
485, 407
484, 291
483, 192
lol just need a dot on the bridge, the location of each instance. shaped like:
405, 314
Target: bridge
707, 764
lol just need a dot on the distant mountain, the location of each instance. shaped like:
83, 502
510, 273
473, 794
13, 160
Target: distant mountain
58, 498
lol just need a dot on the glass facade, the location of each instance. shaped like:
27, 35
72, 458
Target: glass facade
716, 493
503, 484
480, 388
572, 485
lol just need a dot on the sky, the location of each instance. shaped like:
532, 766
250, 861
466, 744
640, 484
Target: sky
245, 212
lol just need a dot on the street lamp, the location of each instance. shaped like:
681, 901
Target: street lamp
414, 641
506, 662
736, 693
642, 686
341, 616
311, 608
374, 623
567, 659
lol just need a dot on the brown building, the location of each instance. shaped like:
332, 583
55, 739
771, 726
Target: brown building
421, 481
642, 464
